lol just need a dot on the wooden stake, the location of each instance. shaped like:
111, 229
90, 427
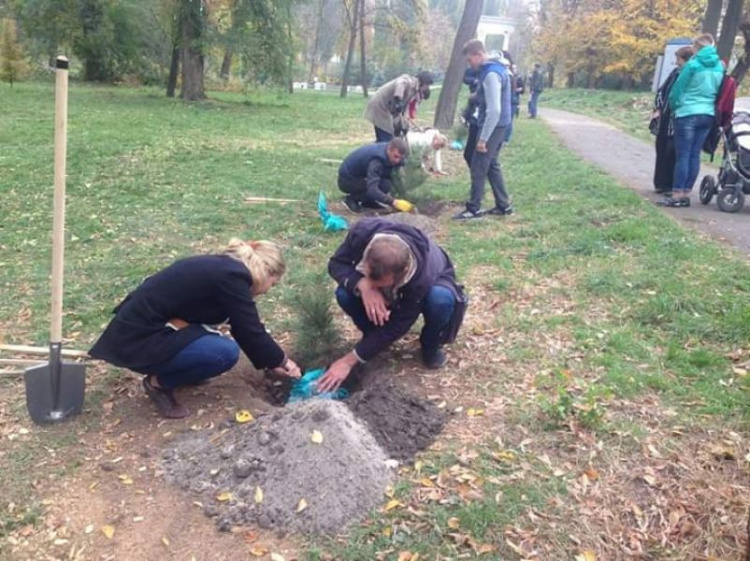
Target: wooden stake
26, 349
270, 200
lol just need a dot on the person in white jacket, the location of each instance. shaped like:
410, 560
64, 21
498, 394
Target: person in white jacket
428, 144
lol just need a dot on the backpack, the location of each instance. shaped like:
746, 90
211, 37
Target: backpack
724, 108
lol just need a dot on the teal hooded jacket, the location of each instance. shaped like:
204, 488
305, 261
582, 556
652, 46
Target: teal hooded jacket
695, 91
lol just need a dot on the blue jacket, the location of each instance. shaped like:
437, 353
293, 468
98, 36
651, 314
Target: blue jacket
695, 91
356, 164
505, 83
207, 289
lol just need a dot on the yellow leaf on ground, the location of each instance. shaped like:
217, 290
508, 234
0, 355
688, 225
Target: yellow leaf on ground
243, 416
258, 495
108, 531
418, 466
125, 478
302, 505
317, 437
426, 482
472, 412
393, 503
165, 541
258, 551
387, 531
481, 549
277, 557
454, 523
586, 555
405, 556
224, 497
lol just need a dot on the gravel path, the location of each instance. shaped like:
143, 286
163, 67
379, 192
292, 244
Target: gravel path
632, 162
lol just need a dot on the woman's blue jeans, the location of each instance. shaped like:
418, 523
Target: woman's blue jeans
437, 310
689, 135
204, 358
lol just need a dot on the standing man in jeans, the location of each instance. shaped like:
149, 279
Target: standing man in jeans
536, 85
493, 96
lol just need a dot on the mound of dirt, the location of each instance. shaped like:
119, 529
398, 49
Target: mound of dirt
402, 423
425, 223
310, 468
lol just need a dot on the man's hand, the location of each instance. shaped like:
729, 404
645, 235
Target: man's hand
337, 373
481, 147
289, 368
403, 206
374, 302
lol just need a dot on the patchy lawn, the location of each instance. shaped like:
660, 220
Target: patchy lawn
598, 389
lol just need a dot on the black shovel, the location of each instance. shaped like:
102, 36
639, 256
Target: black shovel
54, 391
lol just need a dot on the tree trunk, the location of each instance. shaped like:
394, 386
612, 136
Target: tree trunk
729, 28
362, 47
316, 45
174, 68
192, 50
571, 80
290, 46
551, 75
226, 63
350, 51
740, 71
446, 106
711, 17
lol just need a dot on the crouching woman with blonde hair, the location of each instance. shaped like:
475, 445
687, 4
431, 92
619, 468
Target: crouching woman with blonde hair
165, 328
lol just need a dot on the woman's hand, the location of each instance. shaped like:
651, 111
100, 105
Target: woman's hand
289, 368
374, 302
337, 373
656, 114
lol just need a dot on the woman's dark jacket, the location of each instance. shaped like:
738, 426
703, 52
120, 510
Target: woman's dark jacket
207, 289
433, 267
665, 124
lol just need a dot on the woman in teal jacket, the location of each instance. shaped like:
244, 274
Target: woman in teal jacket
693, 99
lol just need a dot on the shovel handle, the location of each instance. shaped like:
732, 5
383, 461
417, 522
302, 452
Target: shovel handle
58, 218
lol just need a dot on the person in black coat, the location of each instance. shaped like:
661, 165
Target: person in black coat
662, 126
388, 274
365, 176
166, 328
469, 115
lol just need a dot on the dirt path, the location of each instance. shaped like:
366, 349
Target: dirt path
632, 162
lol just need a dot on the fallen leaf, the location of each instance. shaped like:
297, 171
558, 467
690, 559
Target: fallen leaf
108, 531
426, 482
454, 523
89, 529
258, 495
483, 548
125, 479
243, 416
650, 479
418, 466
387, 531
472, 412
224, 497
258, 551
317, 437
165, 541
251, 536
586, 555
302, 505
393, 503
405, 556
277, 557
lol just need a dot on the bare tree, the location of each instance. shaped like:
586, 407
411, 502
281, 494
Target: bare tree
362, 53
352, 15
194, 14
446, 107
729, 27
712, 17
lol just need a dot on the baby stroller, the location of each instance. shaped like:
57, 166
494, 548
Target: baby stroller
733, 181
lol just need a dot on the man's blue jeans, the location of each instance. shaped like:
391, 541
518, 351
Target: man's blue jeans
437, 310
534, 104
689, 135
204, 358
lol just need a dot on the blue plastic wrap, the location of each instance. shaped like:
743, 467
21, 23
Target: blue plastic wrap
305, 388
331, 222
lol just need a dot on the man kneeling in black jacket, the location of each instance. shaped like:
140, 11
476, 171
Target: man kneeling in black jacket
388, 274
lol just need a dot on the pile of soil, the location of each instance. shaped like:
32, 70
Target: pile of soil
425, 223
259, 472
402, 423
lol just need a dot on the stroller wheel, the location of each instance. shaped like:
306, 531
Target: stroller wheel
731, 200
708, 189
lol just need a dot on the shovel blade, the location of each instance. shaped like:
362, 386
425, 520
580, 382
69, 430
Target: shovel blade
43, 405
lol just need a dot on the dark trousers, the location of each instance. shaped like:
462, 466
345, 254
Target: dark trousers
485, 166
437, 310
534, 104
376, 197
471, 143
202, 359
382, 136
665, 162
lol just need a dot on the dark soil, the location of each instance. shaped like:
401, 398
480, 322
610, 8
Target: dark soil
402, 423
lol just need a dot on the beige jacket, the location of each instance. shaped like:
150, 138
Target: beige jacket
378, 111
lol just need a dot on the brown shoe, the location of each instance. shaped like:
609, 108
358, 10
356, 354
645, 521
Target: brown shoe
165, 401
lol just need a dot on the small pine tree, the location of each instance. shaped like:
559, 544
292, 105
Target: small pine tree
318, 341
11, 55
410, 176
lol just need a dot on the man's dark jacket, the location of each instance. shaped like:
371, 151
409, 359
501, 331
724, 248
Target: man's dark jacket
433, 267
207, 289
371, 164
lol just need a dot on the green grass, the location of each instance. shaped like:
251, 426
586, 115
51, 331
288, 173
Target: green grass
646, 307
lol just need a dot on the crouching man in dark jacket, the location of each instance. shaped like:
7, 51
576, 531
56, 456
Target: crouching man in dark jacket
388, 274
365, 176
